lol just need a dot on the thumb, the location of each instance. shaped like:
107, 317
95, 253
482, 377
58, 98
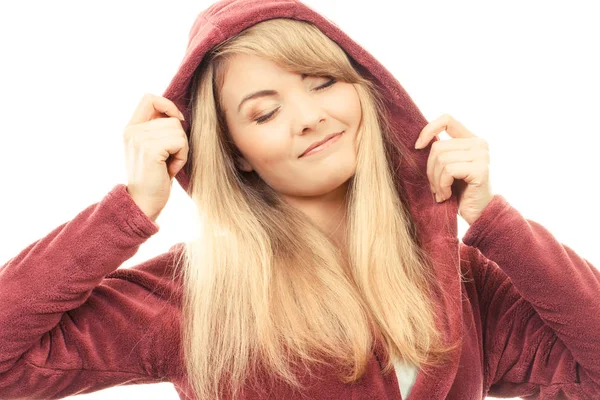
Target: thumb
174, 167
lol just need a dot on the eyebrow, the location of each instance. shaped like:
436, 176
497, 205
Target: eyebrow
261, 93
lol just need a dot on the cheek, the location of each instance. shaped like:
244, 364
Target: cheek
347, 105
354, 105
266, 148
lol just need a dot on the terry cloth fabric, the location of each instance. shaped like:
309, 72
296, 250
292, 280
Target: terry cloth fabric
527, 309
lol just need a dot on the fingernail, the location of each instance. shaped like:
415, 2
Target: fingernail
182, 117
418, 144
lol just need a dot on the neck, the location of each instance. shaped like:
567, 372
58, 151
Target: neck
328, 211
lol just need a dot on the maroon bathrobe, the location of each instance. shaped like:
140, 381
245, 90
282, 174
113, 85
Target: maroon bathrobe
527, 310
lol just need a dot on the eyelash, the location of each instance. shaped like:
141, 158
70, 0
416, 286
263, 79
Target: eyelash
267, 117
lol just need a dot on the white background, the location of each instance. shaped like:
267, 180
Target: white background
522, 75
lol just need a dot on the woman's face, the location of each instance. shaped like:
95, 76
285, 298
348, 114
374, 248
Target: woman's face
273, 130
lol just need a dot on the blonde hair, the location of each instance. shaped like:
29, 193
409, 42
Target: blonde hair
264, 288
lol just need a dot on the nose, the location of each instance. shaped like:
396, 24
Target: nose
308, 113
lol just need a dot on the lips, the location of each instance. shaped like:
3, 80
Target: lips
317, 144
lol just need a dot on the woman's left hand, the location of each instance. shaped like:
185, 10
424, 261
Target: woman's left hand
465, 156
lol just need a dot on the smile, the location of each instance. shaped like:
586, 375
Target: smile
324, 146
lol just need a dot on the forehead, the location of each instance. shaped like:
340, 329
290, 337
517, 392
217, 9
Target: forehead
250, 65
245, 72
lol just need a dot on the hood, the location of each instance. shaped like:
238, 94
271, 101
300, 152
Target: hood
436, 224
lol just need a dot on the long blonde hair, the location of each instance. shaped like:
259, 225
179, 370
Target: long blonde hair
266, 289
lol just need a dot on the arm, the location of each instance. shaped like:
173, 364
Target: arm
540, 306
66, 329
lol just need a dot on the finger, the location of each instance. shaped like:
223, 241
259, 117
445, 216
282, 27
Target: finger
178, 159
173, 150
163, 123
154, 129
433, 128
443, 123
456, 129
439, 152
442, 164
152, 106
459, 170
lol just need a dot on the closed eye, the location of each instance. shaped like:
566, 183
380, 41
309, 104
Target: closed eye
326, 84
265, 118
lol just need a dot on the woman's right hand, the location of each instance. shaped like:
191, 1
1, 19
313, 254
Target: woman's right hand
156, 148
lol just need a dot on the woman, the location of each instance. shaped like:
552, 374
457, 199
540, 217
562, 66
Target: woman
324, 274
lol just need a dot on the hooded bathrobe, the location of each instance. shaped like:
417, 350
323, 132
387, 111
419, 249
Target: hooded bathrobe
527, 309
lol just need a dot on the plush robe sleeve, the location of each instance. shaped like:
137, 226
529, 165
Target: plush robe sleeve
66, 329
540, 309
